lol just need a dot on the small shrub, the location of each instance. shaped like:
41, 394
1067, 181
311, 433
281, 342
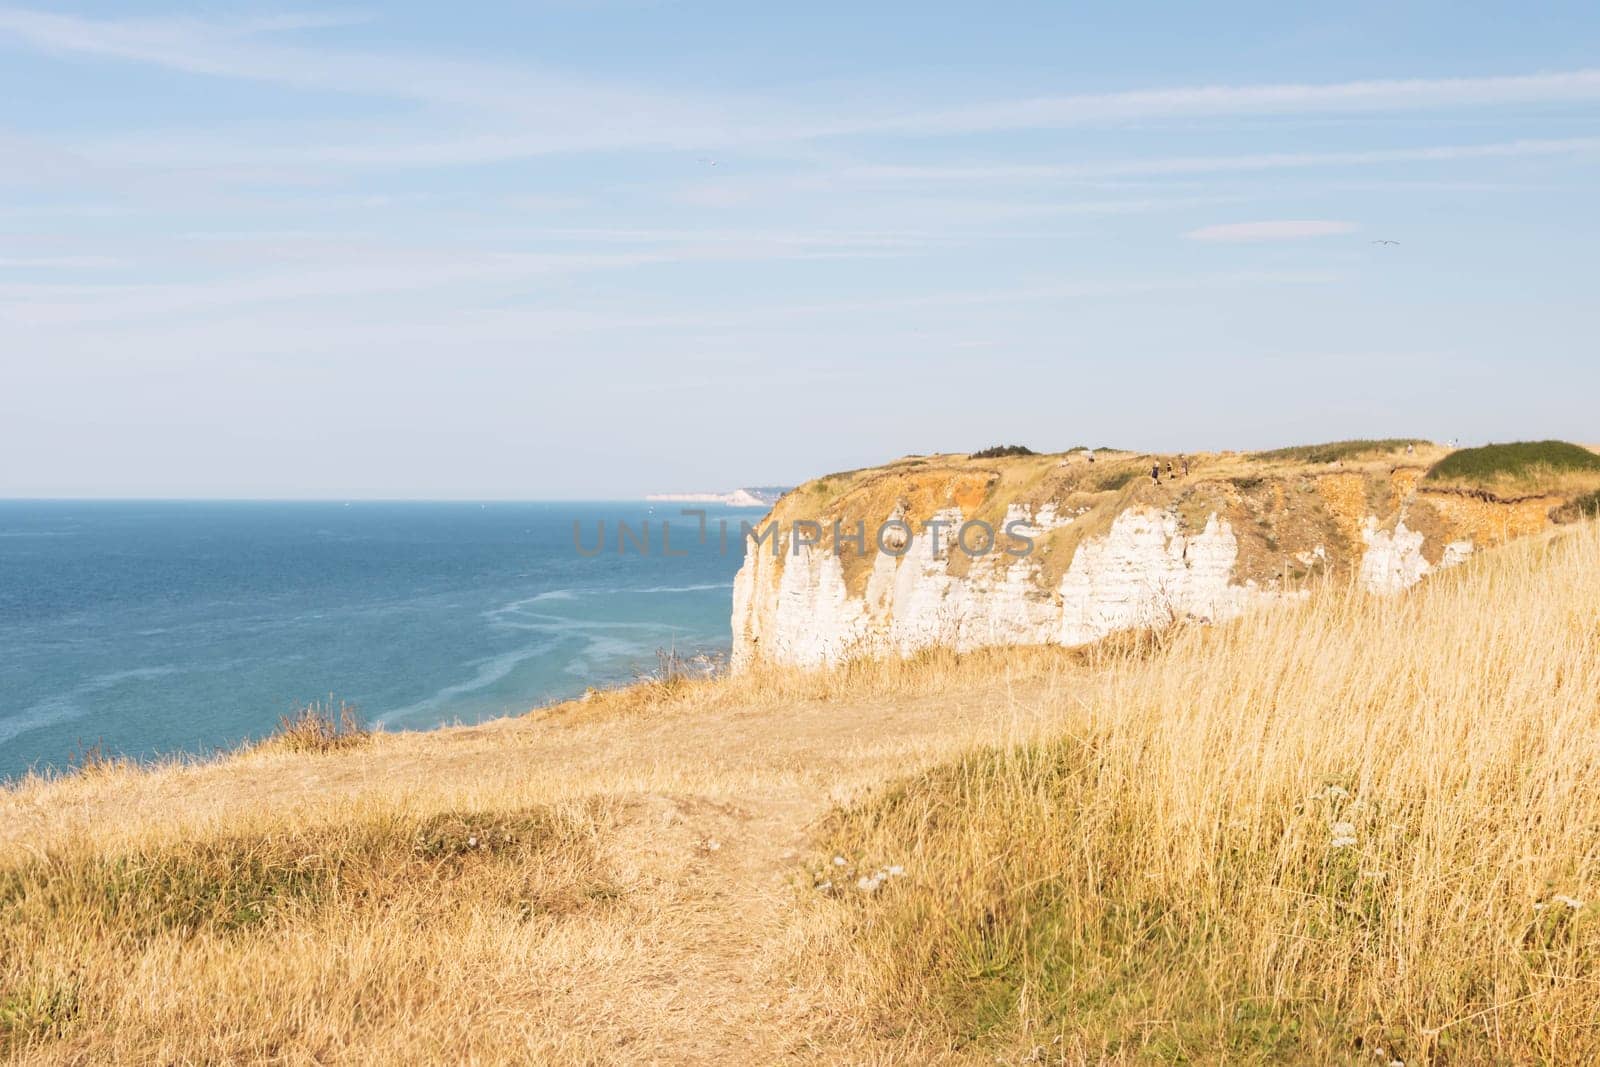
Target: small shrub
320, 727
92, 760
1001, 451
1578, 508
674, 670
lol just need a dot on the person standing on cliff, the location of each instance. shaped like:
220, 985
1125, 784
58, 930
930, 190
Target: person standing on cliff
1155, 473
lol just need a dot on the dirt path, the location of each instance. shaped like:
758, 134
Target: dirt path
709, 808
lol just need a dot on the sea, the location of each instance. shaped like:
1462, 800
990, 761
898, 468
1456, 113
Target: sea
162, 628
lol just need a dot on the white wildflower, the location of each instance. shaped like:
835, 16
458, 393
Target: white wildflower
472, 842
838, 861
867, 885
1344, 834
1571, 902
896, 871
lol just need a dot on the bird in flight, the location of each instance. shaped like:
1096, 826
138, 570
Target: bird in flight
1386, 242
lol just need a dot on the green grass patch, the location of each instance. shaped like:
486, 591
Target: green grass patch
37, 1008
231, 883
1516, 461
1117, 479
1333, 451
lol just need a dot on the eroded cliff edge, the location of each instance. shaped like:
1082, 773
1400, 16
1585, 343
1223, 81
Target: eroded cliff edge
1107, 547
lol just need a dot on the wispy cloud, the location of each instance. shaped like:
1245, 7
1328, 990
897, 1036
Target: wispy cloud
432, 271
1277, 230
558, 112
1382, 95
243, 49
1219, 164
552, 112
126, 313
59, 262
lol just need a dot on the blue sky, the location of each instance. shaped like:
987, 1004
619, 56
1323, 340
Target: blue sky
580, 249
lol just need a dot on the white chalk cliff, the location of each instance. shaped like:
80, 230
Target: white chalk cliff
1394, 562
795, 607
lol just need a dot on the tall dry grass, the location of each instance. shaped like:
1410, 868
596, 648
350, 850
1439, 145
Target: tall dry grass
1363, 830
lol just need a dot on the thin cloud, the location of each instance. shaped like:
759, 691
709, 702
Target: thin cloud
1277, 230
589, 115
1222, 164
1410, 94
596, 116
84, 313
59, 262
40, 304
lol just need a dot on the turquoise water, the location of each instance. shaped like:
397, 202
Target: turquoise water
161, 627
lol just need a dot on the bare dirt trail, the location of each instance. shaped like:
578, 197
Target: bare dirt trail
709, 816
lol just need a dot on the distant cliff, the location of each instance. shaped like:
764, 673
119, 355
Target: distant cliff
761, 496
1067, 548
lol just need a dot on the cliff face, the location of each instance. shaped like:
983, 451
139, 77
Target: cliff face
891, 559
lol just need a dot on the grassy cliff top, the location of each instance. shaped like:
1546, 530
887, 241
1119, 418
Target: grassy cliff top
942, 479
984, 483
1286, 506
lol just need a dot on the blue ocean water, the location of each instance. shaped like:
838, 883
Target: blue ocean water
161, 627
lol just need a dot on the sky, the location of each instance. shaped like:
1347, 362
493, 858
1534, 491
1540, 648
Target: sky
575, 249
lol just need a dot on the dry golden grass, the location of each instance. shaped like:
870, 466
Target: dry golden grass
1363, 824
361, 904
1124, 854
